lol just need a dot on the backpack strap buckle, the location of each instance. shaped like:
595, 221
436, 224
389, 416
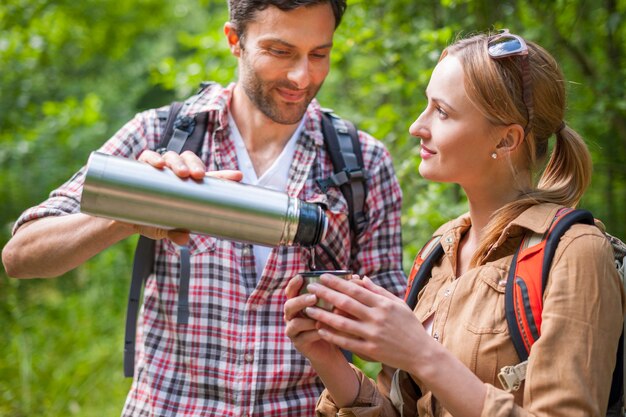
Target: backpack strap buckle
345, 176
511, 377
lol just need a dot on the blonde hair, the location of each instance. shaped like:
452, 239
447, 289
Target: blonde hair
495, 87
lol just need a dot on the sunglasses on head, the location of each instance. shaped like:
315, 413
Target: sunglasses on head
503, 45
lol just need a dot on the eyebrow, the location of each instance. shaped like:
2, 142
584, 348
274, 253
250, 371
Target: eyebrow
440, 100
289, 45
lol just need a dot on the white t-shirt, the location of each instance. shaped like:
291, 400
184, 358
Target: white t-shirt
274, 178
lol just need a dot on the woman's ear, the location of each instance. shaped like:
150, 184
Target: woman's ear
233, 38
512, 137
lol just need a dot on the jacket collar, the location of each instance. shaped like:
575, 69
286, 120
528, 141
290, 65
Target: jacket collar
536, 219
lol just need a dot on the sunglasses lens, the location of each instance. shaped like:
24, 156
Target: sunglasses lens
504, 46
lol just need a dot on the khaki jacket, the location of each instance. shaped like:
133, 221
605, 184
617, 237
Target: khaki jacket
570, 366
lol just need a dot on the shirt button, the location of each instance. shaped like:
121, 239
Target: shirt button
248, 357
246, 251
436, 336
449, 239
446, 292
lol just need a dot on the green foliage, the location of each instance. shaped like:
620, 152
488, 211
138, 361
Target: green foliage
62, 339
74, 72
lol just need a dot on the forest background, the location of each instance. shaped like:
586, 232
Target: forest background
72, 73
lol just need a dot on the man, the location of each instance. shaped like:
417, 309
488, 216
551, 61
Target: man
232, 357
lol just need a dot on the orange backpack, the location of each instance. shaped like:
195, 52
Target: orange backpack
526, 282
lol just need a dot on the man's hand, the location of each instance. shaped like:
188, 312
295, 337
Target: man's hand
185, 165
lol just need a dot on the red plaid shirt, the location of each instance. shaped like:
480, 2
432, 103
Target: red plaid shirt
232, 358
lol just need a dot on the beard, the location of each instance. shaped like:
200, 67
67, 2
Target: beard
259, 93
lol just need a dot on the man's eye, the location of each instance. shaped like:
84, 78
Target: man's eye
278, 52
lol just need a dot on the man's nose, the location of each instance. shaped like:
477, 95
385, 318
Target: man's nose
299, 73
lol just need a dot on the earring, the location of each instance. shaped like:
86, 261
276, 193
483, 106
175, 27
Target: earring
494, 155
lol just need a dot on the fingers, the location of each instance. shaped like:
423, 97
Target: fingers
227, 174
294, 306
185, 165
369, 284
335, 324
298, 326
153, 158
151, 232
353, 289
179, 237
341, 302
344, 341
293, 286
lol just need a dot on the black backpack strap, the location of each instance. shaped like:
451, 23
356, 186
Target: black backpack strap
142, 268
168, 130
344, 149
565, 221
183, 133
342, 142
179, 134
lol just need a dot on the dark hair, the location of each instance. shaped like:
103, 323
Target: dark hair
243, 11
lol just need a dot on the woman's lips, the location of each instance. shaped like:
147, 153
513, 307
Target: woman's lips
425, 153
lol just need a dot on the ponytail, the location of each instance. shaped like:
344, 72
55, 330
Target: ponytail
568, 173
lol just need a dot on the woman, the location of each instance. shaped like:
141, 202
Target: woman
494, 102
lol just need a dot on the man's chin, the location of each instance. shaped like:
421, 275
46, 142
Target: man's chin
288, 114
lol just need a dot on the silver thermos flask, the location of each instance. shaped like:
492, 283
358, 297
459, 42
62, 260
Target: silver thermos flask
134, 192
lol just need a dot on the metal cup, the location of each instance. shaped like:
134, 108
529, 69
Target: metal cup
310, 277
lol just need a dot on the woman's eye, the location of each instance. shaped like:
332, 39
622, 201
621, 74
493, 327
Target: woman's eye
441, 112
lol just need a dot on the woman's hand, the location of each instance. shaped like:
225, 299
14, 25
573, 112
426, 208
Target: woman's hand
373, 323
327, 359
301, 329
185, 165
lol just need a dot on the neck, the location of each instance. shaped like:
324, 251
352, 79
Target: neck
488, 195
483, 204
257, 130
